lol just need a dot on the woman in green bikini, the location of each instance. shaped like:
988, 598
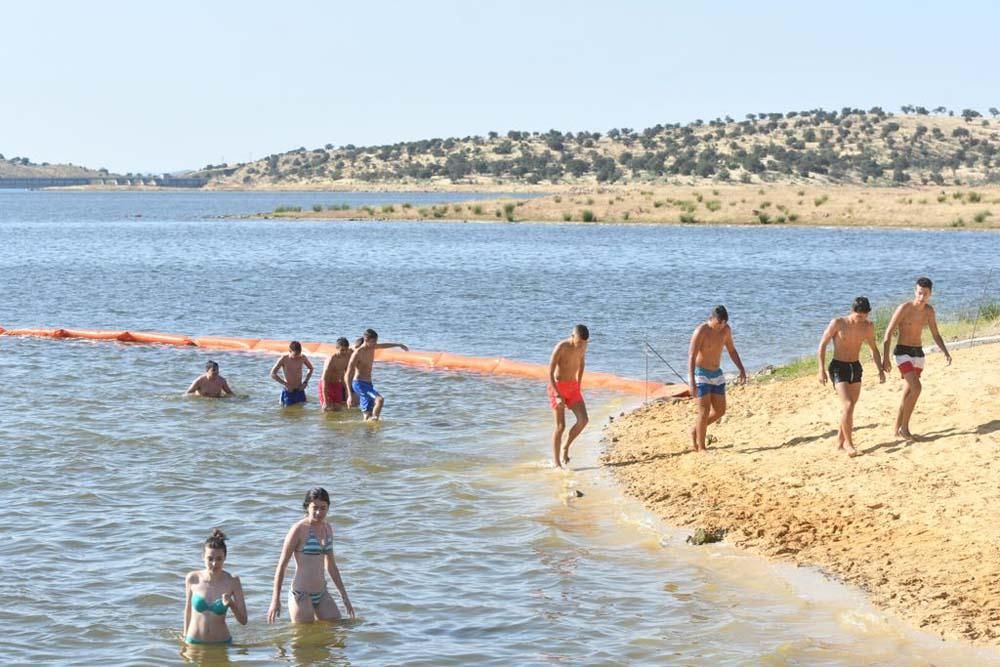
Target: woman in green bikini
209, 594
310, 540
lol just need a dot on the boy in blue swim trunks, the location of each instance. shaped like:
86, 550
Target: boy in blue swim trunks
291, 366
358, 377
707, 383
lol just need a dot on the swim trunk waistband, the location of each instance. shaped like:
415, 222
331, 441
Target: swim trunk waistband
292, 396
569, 390
709, 382
845, 371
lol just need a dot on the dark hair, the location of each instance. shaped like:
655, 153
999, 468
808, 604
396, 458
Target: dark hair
923, 281
342, 342
209, 365
861, 305
720, 313
295, 346
217, 540
370, 334
314, 494
582, 331
359, 341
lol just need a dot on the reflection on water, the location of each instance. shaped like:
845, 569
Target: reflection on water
456, 541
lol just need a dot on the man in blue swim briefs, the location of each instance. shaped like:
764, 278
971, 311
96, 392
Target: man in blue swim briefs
291, 366
708, 385
358, 377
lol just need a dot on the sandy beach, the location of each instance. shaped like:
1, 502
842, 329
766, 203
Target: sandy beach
912, 524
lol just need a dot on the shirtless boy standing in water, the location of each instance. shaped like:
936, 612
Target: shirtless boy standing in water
291, 365
358, 376
565, 375
332, 389
847, 334
708, 385
911, 318
210, 384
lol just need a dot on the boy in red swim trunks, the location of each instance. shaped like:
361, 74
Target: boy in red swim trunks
565, 375
332, 390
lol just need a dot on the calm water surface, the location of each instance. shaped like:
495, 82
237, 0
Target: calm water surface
456, 542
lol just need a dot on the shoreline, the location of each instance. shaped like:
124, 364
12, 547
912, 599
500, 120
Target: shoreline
879, 522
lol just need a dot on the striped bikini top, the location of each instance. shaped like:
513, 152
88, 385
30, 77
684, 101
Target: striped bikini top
313, 547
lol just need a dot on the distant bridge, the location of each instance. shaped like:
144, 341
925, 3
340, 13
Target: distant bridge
35, 182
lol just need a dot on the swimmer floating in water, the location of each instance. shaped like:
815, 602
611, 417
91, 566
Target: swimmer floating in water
210, 384
209, 593
358, 376
291, 366
565, 375
310, 540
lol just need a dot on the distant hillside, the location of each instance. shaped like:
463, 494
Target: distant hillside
853, 146
22, 167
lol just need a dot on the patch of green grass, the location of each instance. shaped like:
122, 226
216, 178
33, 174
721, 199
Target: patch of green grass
626, 215
587, 215
981, 216
508, 211
557, 199
657, 204
763, 218
958, 222
713, 205
477, 209
388, 208
424, 212
819, 201
567, 216
407, 205
793, 217
974, 197
687, 218
288, 209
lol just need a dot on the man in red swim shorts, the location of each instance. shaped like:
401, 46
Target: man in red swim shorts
565, 375
332, 390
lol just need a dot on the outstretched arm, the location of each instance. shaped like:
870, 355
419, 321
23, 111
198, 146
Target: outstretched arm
278, 365
384, 346
887, 337
932, 323
831, 331
279, 572
735, 356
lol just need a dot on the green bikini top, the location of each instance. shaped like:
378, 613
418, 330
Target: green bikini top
200, 604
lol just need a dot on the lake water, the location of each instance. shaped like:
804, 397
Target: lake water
457, 542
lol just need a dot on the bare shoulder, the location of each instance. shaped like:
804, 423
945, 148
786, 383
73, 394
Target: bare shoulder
192, 578
560, 346
699, 330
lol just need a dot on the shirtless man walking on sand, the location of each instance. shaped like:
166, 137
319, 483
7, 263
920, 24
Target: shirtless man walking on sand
332, 388
707, 383
358, 376
565, 375
291, 365
848, 333
911, 318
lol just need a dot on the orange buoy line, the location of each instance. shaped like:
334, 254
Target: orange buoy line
415, 358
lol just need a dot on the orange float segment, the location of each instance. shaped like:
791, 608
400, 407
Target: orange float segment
460, 362
523, 369
47, 333
221, 343
671, 391
412, 358
97, 334
161, 338
265, 345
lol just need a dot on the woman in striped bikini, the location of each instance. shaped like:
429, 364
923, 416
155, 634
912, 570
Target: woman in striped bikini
310, 540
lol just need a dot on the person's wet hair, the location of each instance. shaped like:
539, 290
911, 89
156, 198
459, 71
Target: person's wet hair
295, 346
209, 365
314, 494
582, 331
924, 281
217, 540
720, 314
861, 305
343, 342
370, 334
359, 341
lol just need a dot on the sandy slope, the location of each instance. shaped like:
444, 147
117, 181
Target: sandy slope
917, 525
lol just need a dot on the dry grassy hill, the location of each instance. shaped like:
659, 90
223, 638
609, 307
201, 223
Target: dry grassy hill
22, 167
850, 146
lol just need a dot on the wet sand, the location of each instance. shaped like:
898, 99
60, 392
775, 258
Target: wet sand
914, 524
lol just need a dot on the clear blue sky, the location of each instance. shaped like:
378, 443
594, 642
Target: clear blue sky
142, 86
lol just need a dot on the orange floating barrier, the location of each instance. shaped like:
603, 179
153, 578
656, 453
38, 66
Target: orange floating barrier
48, 333
265, 345
671, 391
97, 334
523, 369
460, 362
220, 343
412, 358
161, 338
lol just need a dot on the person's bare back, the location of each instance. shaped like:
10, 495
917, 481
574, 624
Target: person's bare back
849, 336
